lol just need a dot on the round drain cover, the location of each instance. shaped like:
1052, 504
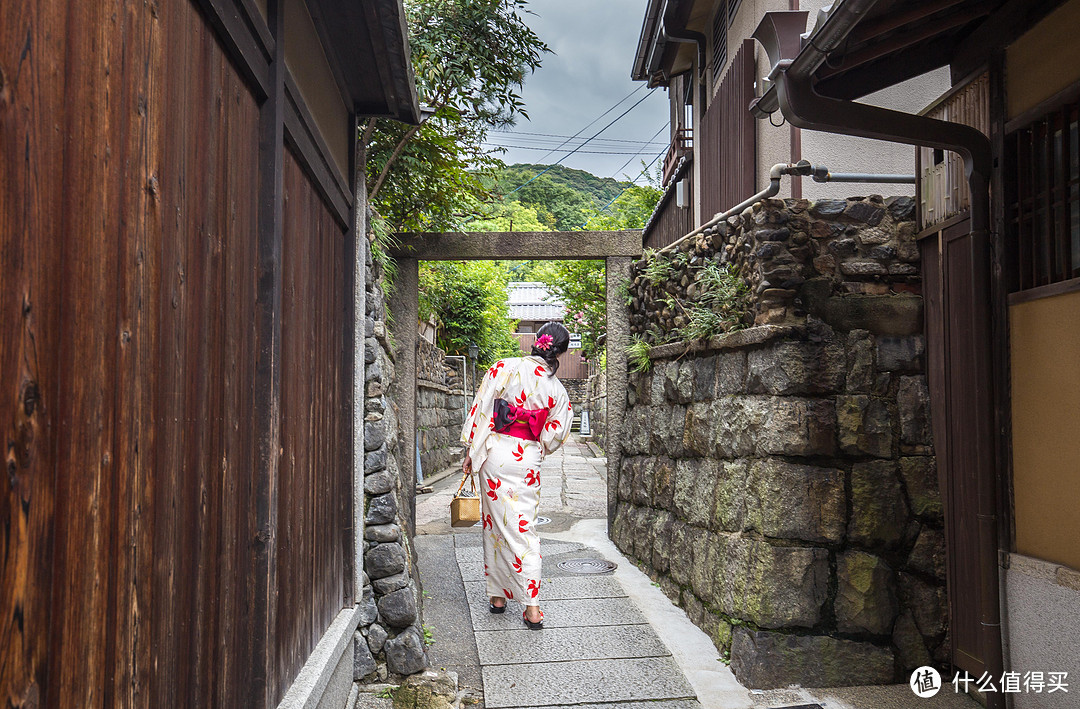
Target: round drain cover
542, 520
587, 566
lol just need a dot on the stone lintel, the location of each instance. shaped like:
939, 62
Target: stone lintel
484, 245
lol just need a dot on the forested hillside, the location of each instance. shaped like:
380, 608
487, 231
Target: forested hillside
560, 199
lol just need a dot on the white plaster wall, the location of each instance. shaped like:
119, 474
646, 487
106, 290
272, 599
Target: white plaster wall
838, 153
841, 153
1041, 606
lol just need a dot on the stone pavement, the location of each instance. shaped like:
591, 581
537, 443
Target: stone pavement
610, 640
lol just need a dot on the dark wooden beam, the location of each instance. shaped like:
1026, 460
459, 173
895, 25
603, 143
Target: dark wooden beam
1008, 21
454, 246
312, 152
266, 421
245, 39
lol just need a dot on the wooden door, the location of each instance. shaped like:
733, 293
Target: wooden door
957, 311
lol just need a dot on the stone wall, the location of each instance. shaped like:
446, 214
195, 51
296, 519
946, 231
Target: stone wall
792, 254
576, 389
389, 642
779, 482
440, 408
596, 392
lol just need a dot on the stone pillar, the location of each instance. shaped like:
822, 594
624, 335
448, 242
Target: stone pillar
405, 310
618, 339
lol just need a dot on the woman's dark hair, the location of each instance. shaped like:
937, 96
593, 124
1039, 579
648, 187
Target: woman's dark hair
560, 340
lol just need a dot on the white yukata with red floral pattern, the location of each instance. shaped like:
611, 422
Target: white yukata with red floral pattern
509, 469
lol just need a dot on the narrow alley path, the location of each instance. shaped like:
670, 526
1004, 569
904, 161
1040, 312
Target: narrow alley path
611, 640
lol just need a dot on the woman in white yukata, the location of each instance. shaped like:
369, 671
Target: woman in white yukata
521, 414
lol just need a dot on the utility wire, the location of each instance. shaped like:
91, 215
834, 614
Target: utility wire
623, 166
581, 152
593, 121
556, 135
643, 171
564, 157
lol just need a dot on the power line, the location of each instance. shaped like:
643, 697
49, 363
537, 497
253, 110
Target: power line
556, 135
623, 166
644, 170
593, 121
564, 157
581, 152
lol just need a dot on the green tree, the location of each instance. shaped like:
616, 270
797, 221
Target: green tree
581, 286
507, 216
470, 58
469, 302
630, 210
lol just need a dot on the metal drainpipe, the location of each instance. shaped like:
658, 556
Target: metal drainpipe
775, 172
683, 35
805, 108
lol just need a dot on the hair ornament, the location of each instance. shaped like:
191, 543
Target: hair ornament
543, 342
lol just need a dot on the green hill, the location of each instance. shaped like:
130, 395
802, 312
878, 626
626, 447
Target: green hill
602, 189
562, 197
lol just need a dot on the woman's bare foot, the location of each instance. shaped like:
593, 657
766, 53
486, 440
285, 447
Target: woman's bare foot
533, 614
498, 601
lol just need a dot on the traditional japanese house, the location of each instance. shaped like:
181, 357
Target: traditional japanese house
180, 215
701, 51
999, 190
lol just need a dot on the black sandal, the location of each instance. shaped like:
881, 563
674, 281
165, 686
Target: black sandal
497, 609
539, 625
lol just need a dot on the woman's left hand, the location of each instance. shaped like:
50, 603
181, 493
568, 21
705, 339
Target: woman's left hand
466, 466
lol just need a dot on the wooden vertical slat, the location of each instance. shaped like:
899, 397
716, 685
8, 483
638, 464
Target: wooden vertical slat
87, 346
33, 47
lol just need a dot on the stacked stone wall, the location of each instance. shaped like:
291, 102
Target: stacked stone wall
779, 482
793, 255
577, 390
389, 642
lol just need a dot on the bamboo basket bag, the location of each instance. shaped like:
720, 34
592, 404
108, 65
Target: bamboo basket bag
465, 507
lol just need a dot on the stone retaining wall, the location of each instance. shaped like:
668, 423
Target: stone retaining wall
390, 640
792, 254
779, 482
440, 414
440, 408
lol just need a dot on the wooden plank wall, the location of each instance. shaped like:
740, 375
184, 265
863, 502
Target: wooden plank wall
728, 130
129, 160
313, 496
671, 222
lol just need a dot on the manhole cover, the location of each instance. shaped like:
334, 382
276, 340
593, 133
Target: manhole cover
587, 566
542, 520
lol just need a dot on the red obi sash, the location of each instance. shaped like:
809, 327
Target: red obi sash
517, 421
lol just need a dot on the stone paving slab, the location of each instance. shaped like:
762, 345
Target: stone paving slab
503, 647
561, 614
547, 549
663, 704
585, 681
558, 588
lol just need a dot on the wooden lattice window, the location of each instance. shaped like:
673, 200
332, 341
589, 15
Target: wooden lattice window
733, 9
719, 41
1043, 183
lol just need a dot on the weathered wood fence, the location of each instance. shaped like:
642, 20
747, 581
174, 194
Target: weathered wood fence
175, 361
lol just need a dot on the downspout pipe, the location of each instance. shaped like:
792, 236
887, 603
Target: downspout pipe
683, 35
805, 108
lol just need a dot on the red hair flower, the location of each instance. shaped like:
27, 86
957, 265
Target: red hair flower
543, 342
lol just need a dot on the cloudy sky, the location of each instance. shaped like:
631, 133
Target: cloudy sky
589, 72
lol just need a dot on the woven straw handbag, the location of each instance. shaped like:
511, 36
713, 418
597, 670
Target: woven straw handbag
465, 507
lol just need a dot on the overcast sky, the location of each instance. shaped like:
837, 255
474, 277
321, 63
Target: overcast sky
594, 42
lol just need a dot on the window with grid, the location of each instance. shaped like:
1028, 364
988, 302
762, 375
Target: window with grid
1043, 182
719, 41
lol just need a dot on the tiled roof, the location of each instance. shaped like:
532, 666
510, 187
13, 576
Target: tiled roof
531, 300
